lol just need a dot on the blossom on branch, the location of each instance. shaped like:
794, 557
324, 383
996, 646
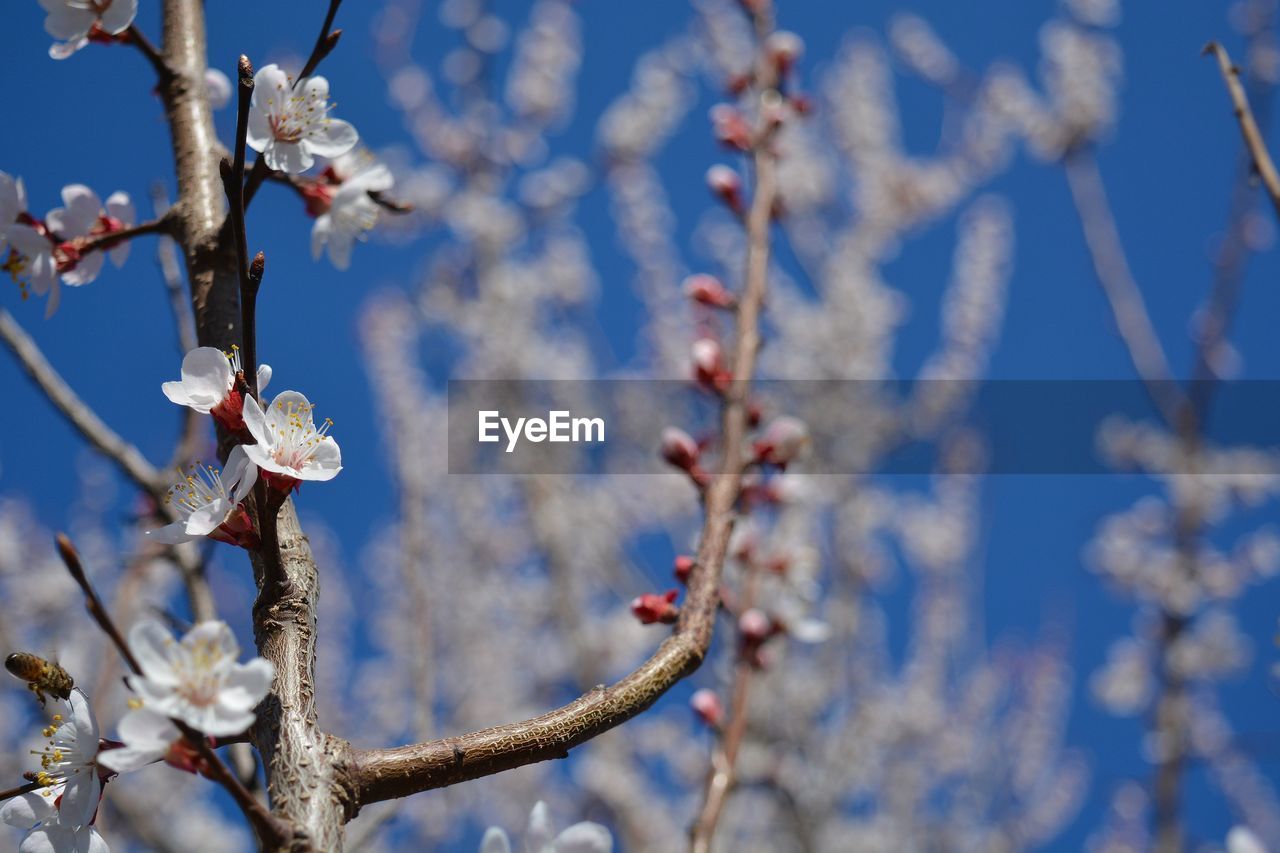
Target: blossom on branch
72, 21
540, 836
290, 125
59, 246
148, 737
343, 206
197, 679
289, 446
207, 506
58, 815
208, 385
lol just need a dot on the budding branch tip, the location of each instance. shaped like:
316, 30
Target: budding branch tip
257, 268
246, 71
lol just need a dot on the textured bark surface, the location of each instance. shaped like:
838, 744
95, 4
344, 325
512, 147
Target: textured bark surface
300, 760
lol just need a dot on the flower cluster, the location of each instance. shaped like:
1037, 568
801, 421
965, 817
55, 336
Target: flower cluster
196, 681
290, 125
76, 22
67, 245
282, 443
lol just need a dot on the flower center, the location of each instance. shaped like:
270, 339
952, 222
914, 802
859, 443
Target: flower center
201, 677
299, 437
202, 487
293, 116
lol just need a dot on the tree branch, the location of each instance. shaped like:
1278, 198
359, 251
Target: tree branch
300, 761
91, 427
1249, 130
382, 774
1122, 292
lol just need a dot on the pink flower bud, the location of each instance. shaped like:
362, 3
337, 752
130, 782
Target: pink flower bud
783, 49
726, 185
708, 364
650, 607
706, 704
684, 566
755, 627
731, 129
708, 290
783, 441
679, 449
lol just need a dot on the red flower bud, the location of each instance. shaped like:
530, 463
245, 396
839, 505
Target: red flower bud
731, 129
706, 704
650, 607
707, 290
783, 49
726, 185
783, 441
684, 566
755, 627
679, 449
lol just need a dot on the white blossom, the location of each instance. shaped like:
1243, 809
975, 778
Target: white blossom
351, 211
540, 836
290, 125
289, 444
68, 798
147, 735
70, 21
208, 502
197, 679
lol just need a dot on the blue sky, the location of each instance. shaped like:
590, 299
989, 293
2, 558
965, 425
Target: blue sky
1169, 168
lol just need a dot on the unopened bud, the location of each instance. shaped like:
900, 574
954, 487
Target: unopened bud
684, 567
679, 449
245, 68
224, 169
726, 185
754, 626
708, 290
785, 439
783, 49
257, 267
706, 704
708, 363
650, 607
731, 128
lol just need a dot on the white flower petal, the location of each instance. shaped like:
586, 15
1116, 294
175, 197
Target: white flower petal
540, 832
240, 471
117, 17
80, 798
585, 837
495, 841
171, 534
264, 377
333, 138
247, 685
255, 420
27, 810
156, 651
85, 271
292, 158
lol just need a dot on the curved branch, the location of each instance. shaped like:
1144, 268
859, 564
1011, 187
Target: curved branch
78, 413
1249, 130
382, 774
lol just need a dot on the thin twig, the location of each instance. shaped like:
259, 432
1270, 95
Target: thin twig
382, 774
91, 427
92, 603
163, 225
140, 41
20, 790
325, 42
1122, 292
1248, 126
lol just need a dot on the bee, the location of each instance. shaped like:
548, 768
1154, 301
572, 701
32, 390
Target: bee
42, 676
